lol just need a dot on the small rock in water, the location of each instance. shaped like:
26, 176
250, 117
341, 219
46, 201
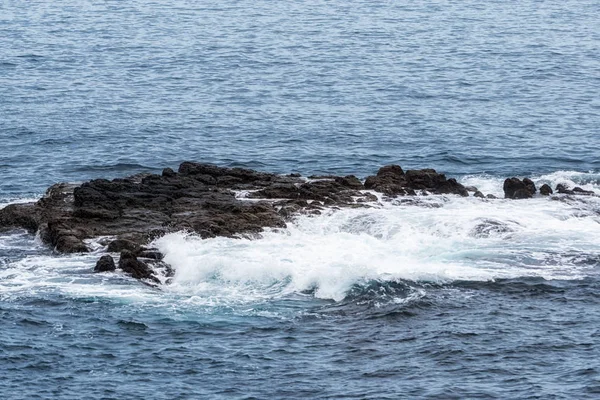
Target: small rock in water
70, 244
105, 264
546, 190
529, 185
490, 227
134, 267
561, 188
578, 190
514, 188
478, 194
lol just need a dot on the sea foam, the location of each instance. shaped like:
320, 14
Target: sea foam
433, 239
438, 239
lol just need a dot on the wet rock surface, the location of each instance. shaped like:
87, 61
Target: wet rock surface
393, 181
546, 190
515, 188
563, 189
129, 263
105, 264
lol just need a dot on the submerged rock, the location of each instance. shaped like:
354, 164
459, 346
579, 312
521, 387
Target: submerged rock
561, 188
490, 227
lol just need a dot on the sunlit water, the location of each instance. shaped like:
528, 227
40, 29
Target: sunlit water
446, 298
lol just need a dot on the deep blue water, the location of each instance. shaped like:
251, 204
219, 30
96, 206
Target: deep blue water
396, 302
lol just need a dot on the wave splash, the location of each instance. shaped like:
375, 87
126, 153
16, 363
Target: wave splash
390, 253
434, 239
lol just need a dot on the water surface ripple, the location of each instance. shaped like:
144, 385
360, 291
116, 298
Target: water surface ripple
449, 299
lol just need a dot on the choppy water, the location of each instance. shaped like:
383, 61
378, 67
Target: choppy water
450, 298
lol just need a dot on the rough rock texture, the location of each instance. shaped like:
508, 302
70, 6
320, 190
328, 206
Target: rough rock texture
514, 188
560, 188
392, 181
105, 264
546, 190
129, 263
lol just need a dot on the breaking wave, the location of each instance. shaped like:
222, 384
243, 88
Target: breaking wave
436, 239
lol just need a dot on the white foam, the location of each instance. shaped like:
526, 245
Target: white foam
332, 252
7, 201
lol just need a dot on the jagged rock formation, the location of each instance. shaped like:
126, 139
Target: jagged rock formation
210, 201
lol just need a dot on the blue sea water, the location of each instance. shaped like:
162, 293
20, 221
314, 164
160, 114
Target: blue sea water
451, 298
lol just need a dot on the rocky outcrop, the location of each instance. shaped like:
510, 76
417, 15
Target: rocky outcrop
20, 216
210, 201
393, 181
563, 189
515, 188
546, 190
105, 264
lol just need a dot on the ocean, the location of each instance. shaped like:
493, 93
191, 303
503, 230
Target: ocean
444, 297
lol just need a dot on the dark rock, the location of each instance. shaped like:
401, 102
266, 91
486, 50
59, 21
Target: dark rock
389, 180
350, 181
511, 185
69, 242
116, 246
339, 191
393, 181
168, 173
514, 188
367, 198
561, 188
491, 196
451, 186
578, 190
471, 189
20, 216
522, 194
105, 264
529, 185
129, 263
200, 198
151, 254
546, 190
478, 194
